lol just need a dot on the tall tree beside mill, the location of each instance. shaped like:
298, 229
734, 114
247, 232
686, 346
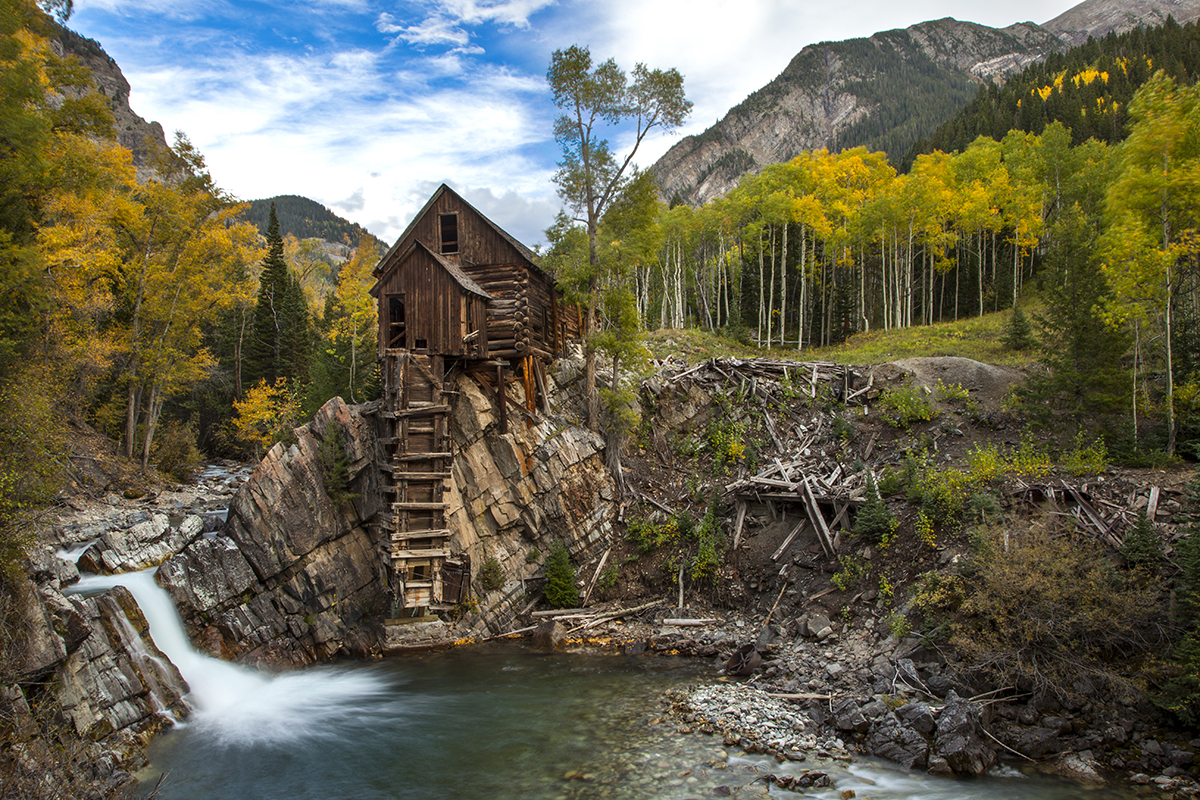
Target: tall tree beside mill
281, 339
590, 177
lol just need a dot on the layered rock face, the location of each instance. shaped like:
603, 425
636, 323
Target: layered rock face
515, 495
295, 578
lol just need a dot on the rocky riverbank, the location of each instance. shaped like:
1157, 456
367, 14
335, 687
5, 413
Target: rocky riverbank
827, 689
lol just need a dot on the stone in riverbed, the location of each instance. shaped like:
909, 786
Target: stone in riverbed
959, 739
549, 635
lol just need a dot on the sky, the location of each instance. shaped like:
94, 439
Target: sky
367, 107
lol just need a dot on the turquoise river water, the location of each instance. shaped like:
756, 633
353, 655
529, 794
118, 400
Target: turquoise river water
482, 722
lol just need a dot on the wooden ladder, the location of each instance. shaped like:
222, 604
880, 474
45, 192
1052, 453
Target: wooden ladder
416, 477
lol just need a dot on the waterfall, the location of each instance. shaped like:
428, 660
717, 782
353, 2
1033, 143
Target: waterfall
240, 705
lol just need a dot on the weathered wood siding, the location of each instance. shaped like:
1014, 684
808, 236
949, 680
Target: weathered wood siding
478, 242
435, 305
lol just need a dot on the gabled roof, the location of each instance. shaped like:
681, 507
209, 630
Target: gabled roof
463, 279
524, 251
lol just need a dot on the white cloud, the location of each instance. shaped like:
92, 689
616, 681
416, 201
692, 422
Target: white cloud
436, 30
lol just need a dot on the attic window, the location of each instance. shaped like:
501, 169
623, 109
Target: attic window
449, 233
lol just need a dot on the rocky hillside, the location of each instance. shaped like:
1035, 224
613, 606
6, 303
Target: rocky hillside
133, 132
884, 92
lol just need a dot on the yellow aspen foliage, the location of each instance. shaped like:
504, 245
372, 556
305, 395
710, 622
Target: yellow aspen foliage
267, 414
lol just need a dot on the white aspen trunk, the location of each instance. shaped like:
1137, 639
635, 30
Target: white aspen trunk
783, 287
803, 286
771, 299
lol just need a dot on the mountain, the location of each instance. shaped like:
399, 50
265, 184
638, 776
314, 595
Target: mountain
307, 219
885, 92
135, 134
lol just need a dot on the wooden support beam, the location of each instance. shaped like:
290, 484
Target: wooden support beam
741, 519
796, 530
818, 521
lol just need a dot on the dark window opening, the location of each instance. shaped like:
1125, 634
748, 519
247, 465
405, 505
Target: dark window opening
449, 233
420, 344
396, 326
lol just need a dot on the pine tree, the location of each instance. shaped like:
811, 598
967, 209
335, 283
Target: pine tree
281, 339
1018, 333
560, 590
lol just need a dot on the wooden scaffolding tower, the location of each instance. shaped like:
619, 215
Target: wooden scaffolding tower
416, 477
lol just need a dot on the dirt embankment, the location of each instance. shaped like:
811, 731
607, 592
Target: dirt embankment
771, 452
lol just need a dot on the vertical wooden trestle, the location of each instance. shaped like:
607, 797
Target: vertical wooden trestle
417, 474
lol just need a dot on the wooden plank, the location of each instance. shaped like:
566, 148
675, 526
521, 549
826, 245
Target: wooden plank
422, 554
419, 506
741, 519
818, 521
788, 540
596, 575
431, 533
1152, 504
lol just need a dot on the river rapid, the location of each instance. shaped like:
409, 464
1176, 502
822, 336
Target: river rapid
499, 721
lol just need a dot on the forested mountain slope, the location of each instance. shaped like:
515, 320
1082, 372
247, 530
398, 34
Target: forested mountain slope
884, 92
306, 219
1087, 89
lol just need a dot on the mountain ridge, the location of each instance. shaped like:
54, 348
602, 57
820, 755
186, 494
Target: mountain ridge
885, 92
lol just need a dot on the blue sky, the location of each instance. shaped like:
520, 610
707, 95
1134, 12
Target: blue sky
367, 106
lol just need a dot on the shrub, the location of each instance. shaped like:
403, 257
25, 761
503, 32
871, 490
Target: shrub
710, 545
491, 574
952, 392
1089, 460
904, 405
1046, 608
648, 534
560, 591
175, 451
852, 571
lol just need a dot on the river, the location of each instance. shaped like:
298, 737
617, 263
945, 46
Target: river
498, 721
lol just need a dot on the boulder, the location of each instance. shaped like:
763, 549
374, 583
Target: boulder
959, 739
549, 635
900, 743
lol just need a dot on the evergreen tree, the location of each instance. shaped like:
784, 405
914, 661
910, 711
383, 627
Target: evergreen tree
1082, 350
1018, 333
281, 338
560, 591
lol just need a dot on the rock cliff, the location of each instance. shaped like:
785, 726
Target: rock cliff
295, 578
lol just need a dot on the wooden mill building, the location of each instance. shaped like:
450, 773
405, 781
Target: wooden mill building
455, 290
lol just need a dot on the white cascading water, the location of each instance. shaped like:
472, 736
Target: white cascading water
239, 705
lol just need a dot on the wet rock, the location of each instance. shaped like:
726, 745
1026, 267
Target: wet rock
1077, 766
918, 716
899, 743
144, 544
549, 635
959, 740
1038, 742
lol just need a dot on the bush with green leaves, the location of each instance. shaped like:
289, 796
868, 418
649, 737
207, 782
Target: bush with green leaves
560, 591
903, 405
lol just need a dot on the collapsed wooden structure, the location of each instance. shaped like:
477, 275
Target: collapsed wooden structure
455, 290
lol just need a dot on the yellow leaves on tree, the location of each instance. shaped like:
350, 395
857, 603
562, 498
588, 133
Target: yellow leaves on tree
267, 414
